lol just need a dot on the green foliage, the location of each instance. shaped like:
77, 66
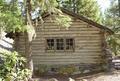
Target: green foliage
87, 8
48, 5
112, 16
42, 69
58, 69
12, 68
12, 20
114, 42
112, 20
67, 70
63, 21
10, 17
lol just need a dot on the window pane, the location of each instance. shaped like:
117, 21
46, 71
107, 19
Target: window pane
50, 44
69, 44
60, 44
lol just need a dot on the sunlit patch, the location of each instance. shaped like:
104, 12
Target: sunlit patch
104, 4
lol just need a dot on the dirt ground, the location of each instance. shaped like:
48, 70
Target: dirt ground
103, 76
114, 76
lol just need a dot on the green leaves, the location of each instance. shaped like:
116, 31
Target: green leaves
12, 22
63, 20
88, 8
114, 42
13, 67
112, 20
10, 17
48, 5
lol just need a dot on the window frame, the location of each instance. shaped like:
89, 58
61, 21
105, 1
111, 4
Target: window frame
50, 45
72, 45
55, 44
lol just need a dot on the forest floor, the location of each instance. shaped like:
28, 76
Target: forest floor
103, 76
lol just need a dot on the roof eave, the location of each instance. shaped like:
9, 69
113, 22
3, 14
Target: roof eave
87, 20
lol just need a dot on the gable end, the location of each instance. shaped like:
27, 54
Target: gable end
87, 20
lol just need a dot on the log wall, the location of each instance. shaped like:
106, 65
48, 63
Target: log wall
88, 43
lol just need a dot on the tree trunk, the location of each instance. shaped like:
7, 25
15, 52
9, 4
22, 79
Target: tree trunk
28, 47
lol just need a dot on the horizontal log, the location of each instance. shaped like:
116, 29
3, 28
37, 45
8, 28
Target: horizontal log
73, 28
77, 42
57, 27
78, 48
73, 56
65, 54
77, 37
48, 19
66, 62
64, 29
84, 52
62, 32
71, 25
77, 45
63, 63
69, 35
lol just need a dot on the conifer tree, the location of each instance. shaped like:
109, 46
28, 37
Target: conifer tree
112, 20
87, 8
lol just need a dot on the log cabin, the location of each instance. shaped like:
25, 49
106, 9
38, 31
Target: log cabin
83, 44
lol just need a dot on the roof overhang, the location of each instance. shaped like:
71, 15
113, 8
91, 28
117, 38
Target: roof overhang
104, 28
87, 20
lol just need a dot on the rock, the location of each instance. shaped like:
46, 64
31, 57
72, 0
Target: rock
84, 80
70, 79
86, 71
52, 79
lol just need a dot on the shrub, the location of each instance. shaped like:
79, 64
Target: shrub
67, 70
12, 67
42, 69
57, 69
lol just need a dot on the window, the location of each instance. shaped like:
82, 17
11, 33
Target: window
69, 44
50, 44
60, 44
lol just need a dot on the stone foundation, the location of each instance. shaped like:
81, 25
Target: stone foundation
67, 69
